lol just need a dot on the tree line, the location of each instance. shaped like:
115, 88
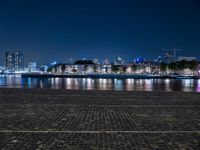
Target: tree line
179, 66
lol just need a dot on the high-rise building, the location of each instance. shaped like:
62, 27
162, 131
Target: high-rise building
10, 61
14, 60
19, 60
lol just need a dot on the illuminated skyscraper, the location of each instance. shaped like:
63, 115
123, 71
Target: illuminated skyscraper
10, 61
19, 60
14, 60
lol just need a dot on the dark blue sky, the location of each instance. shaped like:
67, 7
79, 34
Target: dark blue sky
59, 30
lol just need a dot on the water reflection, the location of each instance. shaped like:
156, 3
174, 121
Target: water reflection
198, 86
187, 85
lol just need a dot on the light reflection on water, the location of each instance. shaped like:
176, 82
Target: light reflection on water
187, 85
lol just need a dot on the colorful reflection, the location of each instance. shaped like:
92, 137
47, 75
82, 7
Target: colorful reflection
167, 85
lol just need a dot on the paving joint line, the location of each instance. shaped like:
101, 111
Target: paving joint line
97, 132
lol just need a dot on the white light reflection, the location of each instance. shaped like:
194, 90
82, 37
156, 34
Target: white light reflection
104, 84
55, 83
187, 85
41, 84
29, 82
89, 84
148, 85
129, 84
68, 83
118, 84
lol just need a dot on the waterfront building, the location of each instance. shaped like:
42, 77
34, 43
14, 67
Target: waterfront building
105, 68
155, 67
80, 67
129, 68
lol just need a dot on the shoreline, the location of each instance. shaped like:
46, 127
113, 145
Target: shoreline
110, 76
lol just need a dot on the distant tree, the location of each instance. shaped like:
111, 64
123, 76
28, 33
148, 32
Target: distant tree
193, 65
163, 67
115, 68
134, 67
95, 68
106, 69
83, 62
85, 67
42, 69
182, 65
63, 67
50, 69
74, 70
173, 66
124, 69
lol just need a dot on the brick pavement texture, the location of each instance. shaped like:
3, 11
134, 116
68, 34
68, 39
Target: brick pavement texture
98, 120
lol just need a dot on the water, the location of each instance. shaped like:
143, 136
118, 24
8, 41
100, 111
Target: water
186, 85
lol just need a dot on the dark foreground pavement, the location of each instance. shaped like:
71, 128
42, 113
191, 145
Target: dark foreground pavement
99, 120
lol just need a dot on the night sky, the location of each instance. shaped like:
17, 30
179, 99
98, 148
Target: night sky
59, 30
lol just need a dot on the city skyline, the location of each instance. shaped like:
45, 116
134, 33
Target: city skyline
60, 30
158, 58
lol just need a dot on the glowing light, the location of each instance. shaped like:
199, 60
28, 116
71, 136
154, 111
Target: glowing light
53, 63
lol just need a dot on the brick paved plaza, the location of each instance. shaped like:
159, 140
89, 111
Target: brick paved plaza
99, 120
